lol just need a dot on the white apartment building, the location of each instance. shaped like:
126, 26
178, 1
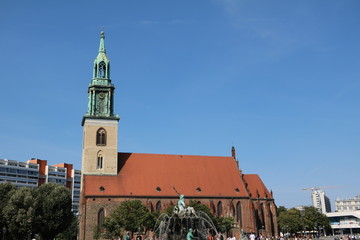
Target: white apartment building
320, 201
347, 205
19, 173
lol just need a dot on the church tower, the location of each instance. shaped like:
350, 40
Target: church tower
100, 124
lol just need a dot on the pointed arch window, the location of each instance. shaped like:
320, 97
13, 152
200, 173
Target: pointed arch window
101, 215
100, 160
101, 137
238, 213
102, 70
158, 206
219, 209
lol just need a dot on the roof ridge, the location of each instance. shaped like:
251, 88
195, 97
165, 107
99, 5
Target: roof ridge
169, 154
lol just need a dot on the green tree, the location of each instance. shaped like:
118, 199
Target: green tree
224, 224
6, 190
53, 210
129, 216
71, 232
309, 219
19, 213
314, 219
202, 207
290, 220
281, 209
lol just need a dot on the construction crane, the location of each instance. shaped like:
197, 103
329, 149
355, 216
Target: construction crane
316, 188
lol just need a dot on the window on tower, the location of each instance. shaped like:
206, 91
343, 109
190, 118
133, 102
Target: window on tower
100, 160
102, 70
101, 137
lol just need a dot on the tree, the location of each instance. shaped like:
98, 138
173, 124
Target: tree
19, 213
6, 190
290, 221
294, 220
53, 210
71, 232
314, 219
129, 216
224, 224
281, 209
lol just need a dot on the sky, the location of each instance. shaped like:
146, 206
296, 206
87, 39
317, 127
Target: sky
279, 80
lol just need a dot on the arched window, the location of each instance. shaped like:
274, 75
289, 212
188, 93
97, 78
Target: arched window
158, 206
102, 70
95, 70
101, 137
232, 210
100, 160
212, 208
101, 215
219, 209
238, 213
151, 207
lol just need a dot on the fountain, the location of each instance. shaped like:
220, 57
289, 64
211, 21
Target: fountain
184, 222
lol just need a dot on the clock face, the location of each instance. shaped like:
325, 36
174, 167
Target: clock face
101, 95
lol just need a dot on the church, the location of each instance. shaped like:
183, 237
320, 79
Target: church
110, 177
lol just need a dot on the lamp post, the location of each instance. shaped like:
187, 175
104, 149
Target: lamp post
4, 232
303, 218
77, 225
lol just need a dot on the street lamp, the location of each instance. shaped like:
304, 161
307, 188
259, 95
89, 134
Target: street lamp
77, 225
303, 221
4, 232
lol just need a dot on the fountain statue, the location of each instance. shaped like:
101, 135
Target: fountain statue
184, 222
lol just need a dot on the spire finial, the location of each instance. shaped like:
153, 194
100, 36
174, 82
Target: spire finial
233, 152
102, 41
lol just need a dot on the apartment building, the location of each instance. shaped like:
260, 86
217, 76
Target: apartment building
35, 172
346, 205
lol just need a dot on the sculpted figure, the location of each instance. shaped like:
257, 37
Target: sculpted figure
189, 235
181, 203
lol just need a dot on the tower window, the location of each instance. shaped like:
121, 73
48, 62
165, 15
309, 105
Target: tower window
102, 70
99, 161
101, 137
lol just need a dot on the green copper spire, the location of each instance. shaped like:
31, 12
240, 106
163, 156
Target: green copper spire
102, 43
101, 90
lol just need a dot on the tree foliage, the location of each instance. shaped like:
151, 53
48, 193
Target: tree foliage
129, 216
53, 210
19, 213
309, 219
6, 191
45, 211
71, 232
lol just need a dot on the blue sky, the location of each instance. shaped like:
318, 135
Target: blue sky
279, 80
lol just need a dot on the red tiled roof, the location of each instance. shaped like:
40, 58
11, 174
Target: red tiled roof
157, 174
255, 186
